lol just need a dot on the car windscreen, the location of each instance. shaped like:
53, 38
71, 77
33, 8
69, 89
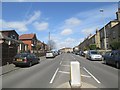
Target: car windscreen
94, 52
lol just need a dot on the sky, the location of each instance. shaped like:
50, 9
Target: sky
68, 22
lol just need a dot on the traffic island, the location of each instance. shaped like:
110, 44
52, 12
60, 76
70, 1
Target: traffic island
83, 85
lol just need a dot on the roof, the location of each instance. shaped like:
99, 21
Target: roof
2, 36
8, 31
27, 36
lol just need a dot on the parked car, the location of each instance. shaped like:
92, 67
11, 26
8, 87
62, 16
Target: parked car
112, 58
93, 55
50, 54
81, 53
55, 53
25, 59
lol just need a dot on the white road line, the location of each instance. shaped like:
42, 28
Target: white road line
65, 65
51, 81
73, 58
92, 75
86, 76
64, 72
60, 62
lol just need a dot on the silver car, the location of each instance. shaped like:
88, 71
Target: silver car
50, 54
94, 55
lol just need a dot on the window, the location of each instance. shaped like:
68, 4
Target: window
114, 36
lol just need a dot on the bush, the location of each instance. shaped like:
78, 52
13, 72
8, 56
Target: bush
92, 47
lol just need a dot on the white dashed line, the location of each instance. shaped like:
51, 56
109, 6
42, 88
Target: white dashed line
60, 62
73, 58
51, 81
91, 75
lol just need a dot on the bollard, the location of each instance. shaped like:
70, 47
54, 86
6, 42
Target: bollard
75, 74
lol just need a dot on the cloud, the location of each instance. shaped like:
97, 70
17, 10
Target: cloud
17, 25
88, 31
69, 40
22, 26
66, 32
34, 17
72, 21
41, 26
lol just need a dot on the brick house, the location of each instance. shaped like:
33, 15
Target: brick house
29, 39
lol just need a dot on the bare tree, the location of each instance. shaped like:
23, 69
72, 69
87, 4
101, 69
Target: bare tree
51, 44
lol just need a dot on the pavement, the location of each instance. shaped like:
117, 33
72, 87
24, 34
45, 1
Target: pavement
11, 67
55, 73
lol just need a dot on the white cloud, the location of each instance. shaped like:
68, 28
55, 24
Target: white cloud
66, 32
69, 40
88, 31
17, 25
41, 26
21, 26
73, 21
34, 17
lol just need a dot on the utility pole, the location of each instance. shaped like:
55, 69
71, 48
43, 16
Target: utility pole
49, 42
105, 43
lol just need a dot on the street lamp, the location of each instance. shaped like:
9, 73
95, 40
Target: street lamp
105, 43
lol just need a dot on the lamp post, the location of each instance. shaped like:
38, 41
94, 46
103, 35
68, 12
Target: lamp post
105, 43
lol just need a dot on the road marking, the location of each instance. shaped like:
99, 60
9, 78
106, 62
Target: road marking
64, 72
73, 58
65, 65
91, 75
86, 76
51, 81
60, 62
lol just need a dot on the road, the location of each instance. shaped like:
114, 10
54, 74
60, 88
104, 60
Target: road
51, 73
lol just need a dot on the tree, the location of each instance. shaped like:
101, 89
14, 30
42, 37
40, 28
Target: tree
51, 44
115, 45
92, 47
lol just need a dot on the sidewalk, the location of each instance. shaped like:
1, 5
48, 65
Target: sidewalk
8, 68
11, 67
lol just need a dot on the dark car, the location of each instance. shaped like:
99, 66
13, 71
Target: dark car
25, 59
112, 58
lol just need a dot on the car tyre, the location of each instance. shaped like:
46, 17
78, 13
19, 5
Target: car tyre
30, 64
16, 65
117, 65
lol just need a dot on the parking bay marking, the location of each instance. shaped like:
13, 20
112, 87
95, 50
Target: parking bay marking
64, 72
65, 65
86, 76
92, 75
51, 81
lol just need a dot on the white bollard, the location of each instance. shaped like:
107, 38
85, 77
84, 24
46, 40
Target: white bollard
75, 74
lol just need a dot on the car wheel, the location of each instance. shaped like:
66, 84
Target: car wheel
30, 64
117, 65
16, 65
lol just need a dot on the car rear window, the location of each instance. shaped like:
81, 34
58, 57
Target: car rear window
21, 55
94, 52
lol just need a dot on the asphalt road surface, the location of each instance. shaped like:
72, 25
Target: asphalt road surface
53, 72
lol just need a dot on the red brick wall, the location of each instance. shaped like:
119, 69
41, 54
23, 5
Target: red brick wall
29, 42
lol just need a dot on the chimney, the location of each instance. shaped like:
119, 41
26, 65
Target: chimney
118, 13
